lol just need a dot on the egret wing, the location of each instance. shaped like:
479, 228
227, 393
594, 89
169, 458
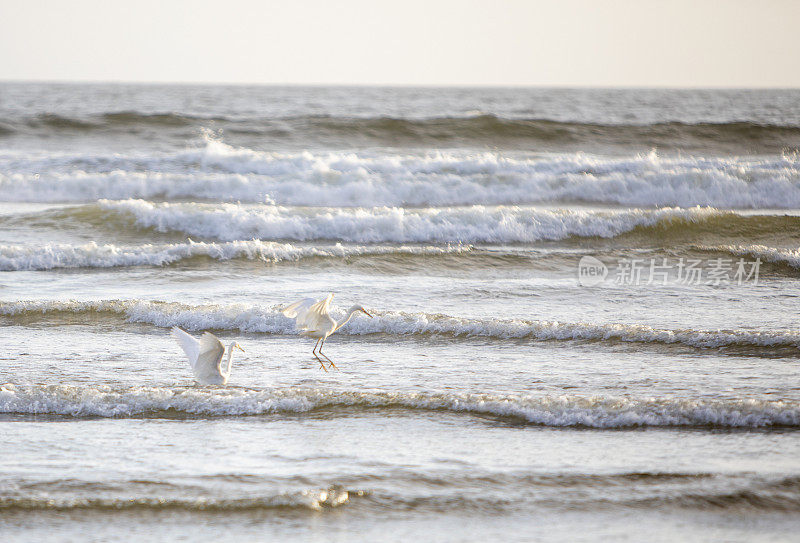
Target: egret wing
189, 344
317, 318
210, 354
299, 309
310, 314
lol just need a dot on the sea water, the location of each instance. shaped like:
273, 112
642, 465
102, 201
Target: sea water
498, 392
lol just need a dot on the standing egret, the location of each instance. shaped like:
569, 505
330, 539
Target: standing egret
313, 320
205, 356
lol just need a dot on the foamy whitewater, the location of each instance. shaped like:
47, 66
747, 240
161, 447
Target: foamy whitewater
495, 394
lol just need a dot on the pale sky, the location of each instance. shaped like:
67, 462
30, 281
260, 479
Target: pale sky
676, 43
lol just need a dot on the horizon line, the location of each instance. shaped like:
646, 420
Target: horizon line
552, 86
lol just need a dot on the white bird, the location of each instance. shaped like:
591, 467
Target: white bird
205, 356
313, 320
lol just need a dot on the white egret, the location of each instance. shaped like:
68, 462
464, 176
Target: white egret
205, 356
313, 320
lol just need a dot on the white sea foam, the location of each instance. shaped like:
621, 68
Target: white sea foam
259, 319
790, 257
23, 257
221, 172
314, 499
391, 224
596, 412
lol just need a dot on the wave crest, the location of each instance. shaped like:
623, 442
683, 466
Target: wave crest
397, 225
776, 255
560, 411
53, 256
315, 500
217, 171
257, 319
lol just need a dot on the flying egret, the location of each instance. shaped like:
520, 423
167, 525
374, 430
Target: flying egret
205, 356
313, 320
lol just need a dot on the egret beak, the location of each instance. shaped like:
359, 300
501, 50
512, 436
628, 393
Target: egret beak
367, 314
239, 347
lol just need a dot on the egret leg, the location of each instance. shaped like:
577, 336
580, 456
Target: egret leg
326, 356
321, 363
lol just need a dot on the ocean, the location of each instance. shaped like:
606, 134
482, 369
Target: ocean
584, 300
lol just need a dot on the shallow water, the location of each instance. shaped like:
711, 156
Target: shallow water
493, 394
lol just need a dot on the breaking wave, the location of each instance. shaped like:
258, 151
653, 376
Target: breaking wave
397, 225
559, 411
435, 492
92, 255
216, 171
253, 318
453, 225
775, 255
316, 500
472, 224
